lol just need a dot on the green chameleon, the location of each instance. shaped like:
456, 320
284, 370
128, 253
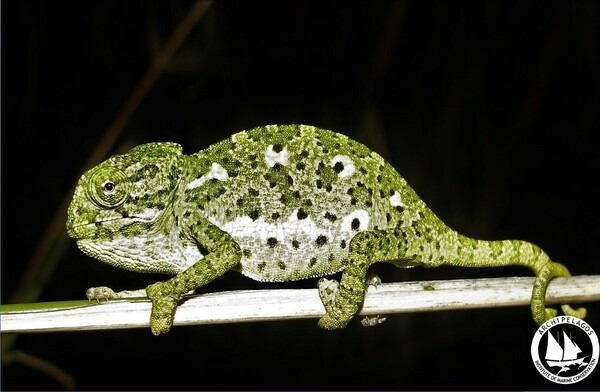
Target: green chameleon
276, 203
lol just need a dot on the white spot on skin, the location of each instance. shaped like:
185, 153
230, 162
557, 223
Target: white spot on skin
272, 157
349, 167
216, 171
245, 228
395, 200
363, 219
148, 214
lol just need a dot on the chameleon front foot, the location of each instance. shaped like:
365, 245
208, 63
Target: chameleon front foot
163, 308
540, 313
100, 293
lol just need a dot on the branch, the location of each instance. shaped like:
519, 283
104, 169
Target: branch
262, 305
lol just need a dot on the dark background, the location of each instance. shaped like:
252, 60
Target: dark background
490, 110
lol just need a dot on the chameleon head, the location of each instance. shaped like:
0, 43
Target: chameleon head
123, 197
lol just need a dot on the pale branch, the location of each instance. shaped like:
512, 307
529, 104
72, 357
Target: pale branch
262, 305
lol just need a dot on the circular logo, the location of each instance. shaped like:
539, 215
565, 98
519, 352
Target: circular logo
565, 349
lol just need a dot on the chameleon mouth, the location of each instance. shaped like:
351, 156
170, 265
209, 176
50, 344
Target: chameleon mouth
89, 229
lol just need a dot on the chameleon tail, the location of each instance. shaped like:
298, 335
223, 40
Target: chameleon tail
477, 253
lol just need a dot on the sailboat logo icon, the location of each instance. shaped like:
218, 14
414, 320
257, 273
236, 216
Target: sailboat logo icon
565, 349
565, 356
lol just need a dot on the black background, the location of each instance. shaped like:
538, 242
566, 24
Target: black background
490, 110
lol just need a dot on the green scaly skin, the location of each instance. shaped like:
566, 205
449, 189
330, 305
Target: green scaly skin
276, 203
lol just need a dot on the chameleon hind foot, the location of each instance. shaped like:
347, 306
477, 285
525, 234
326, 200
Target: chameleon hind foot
545, 274
327, 290
333, 319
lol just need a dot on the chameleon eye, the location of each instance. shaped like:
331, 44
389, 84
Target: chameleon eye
107, 187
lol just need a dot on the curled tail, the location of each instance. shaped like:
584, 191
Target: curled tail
468, 252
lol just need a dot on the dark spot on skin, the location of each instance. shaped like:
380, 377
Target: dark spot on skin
338, 167
343, 244
272, 242
277, 167
308, 202
239, 202
281, 265
295, 244
312, 262
277, 147
304, 154
296, 194
290, 180
399, 208
328, 188
350, 191
368, 203
319, 184
275, 215
247, 252
300, 166
261, 266
302, 214
283, 199
321, 240
353, 201
254, 214
388, 217
330, 217
253, 192
355, 225
330, 258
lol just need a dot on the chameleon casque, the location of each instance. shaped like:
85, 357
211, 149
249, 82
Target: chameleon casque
276, 203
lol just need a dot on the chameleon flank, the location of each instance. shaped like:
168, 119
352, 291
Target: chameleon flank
276, 203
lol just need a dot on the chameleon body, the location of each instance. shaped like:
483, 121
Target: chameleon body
276, 203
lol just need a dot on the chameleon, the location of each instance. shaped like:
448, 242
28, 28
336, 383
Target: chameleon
276, 203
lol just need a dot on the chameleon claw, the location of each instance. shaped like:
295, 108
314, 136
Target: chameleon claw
330, 323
